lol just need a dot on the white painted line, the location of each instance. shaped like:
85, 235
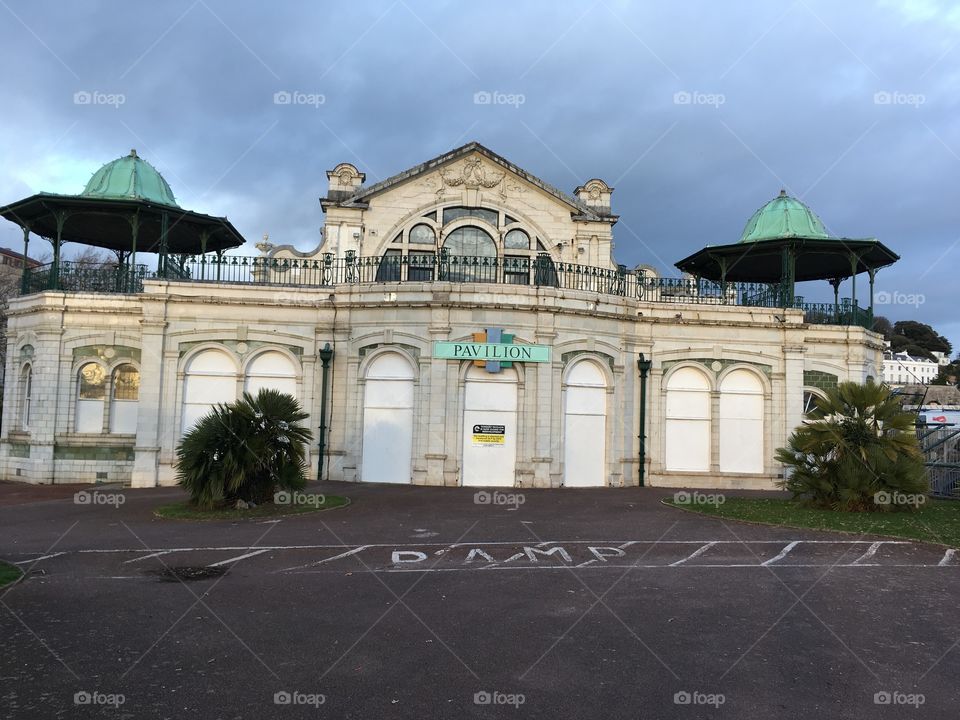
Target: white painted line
782, 555
871, 551
947, 558
147, 557
239, 557
43, 557
348, 553
694, 554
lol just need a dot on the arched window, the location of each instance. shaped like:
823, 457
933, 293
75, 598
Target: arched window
688, 421
741, 423
274, 370
387, 420
26, 393
516, 240
422, 235
471, 256
585, 426
91, 394
210, 378
125, 399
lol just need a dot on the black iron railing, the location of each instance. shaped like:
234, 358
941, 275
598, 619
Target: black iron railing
426, 267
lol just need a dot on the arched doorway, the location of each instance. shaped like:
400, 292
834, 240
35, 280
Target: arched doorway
210, 378
585, 426
688, 421
741, 423
387, 420
489, 428
272, 370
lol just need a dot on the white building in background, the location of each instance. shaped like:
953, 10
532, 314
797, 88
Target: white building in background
902, 368
467, 320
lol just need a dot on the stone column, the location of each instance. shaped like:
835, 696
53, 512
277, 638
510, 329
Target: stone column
150, 407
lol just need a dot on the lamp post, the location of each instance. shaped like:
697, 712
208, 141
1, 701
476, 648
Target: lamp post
326, 354
643, 365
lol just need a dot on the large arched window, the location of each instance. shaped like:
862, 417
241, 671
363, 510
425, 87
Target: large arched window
125, 399
585, 426
688, 421
273, 370
741, 423
387, 420
91, 394
26, 393
210, 378
471, 255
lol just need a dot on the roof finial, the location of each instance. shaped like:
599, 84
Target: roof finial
133, 152
783, 193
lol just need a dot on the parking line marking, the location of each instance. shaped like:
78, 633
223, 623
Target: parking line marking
871, 551
348, 553
239, 557
782, 555
694, 554
147, 557
44, 557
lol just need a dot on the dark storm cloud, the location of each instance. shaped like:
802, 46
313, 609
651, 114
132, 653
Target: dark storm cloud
698, 113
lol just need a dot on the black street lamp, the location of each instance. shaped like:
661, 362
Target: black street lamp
643, 365
326, 354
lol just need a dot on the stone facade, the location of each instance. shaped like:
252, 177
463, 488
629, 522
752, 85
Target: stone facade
165, 331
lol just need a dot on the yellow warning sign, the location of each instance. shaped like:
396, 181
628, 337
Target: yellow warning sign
488, 434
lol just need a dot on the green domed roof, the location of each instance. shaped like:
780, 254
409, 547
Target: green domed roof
130, 178
784, 217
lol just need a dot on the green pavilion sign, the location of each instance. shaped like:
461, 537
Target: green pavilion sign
487, 352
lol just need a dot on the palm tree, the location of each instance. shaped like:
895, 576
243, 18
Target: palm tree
857, 450
245, 450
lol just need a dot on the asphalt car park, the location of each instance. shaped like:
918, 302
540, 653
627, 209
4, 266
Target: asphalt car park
431, 602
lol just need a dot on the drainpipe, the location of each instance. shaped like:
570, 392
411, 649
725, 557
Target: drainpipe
325, 356
643, 365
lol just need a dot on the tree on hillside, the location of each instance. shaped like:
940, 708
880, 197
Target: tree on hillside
883, 326
918, 339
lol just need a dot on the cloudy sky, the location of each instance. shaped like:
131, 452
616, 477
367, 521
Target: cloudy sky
697, 112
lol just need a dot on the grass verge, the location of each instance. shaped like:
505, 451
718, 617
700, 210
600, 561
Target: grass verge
937, 521
306, 503
8, 573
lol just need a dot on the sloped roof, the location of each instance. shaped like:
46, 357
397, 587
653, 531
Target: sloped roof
363, 195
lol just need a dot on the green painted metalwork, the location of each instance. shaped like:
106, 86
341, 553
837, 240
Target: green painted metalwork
19, 450
130, 178
91, 452
783, 217
820, 379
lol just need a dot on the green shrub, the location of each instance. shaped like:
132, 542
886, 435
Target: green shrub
246, 450
857, 451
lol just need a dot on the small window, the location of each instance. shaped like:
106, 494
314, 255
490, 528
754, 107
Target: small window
516, 270
420, 266
507, 220
126, 383
92, 382
490, 216
26, 393
389, 268
422, 235
516, 240
431, 216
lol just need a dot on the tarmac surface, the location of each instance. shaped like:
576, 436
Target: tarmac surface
448, 603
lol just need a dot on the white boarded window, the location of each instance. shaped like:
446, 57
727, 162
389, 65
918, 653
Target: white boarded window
387, 420
741, 423
210, 378
688, 421
585, 426
91, 394
26, 394
272, 370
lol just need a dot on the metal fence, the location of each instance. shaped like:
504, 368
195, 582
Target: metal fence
425, 267
941, 449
